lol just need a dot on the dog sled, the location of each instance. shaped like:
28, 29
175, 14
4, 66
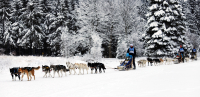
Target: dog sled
126, 64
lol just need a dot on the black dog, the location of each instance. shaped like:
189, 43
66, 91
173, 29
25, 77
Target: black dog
97, 66
14, 71
63, 68
93, 66
58, 68
46, 69
156, 61
101, 66
150, 61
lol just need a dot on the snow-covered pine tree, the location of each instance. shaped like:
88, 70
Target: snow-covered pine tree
32, 34
166, 28
5, 10
12, 34
71, 16
55, 24
47, 8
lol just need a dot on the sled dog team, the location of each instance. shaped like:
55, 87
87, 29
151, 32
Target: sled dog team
17, 71
156, 62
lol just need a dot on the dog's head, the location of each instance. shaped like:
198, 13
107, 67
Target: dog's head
20, 70
45, 67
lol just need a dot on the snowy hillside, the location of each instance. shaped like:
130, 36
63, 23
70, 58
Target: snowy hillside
177, 80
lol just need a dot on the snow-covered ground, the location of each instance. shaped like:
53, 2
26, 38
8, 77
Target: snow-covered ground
177, 80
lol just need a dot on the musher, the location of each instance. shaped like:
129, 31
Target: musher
132, 52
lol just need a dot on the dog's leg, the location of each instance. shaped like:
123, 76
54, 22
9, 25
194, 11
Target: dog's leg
22, 76
61, 73
30, 73
91, 71
33, 75
45, 74
28, 76
87, 70
83, 71
58, 73
12, 77
66, 73
99, 69
69, 71
15, 76
19, 76
50, 74
79, 71
74, 71
96, 70
54, 73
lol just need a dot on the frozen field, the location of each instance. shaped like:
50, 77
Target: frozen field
177, 80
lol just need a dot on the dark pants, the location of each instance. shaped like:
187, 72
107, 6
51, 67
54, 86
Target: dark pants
182, 57
133, 61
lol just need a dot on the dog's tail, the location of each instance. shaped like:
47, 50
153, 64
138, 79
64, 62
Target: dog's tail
36, 68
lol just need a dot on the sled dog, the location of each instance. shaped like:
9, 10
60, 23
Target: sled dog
168, 61
84, 66
14, 71
46, 69
187, 59
161, 61
149, 60
29, 71
96, 66
142, 63
156, 61
71, 67
58, 68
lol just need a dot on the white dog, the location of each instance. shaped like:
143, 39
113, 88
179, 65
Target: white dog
142, 63
71, 67
84, 66
187, 59
168, 61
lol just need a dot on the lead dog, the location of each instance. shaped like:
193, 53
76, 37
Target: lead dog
14, 71
29, 71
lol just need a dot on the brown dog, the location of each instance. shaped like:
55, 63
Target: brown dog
29, 71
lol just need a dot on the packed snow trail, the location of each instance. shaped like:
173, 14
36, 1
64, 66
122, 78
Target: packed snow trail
177, 80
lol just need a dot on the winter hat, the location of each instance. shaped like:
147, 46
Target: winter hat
131, 44
180, 45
